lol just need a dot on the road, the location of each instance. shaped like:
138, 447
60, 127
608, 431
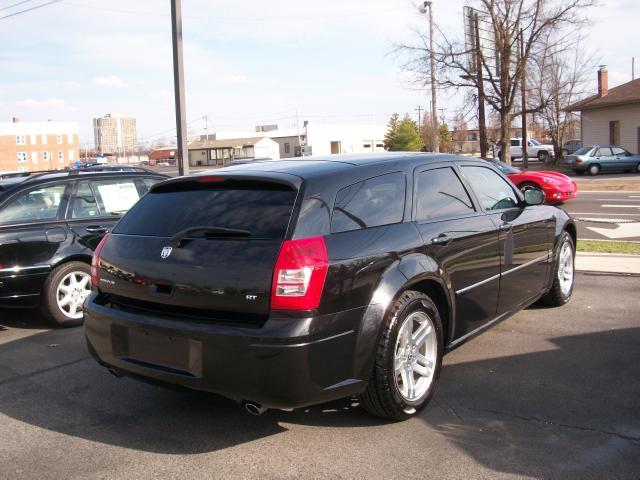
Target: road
545, 394
608, 207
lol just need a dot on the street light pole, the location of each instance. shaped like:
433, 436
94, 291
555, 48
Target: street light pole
434, 117
178, 87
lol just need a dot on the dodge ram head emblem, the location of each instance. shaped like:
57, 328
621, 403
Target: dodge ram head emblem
166, 251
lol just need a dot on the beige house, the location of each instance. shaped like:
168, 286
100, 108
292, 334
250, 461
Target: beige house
218, 153
34, 146
611, 117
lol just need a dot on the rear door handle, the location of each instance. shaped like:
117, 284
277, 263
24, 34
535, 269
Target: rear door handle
505, 227
442, 239
96, 229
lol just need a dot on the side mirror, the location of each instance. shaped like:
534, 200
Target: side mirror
533, 196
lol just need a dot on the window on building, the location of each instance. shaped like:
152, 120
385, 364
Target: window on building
59, 139
44, 139
366, 145
70, 138
440, 195
472, 137
60, 156
287, 147
34, 139
371, 203
614, 132
20, 140
34, 157
71, 154
46, 156
22, 156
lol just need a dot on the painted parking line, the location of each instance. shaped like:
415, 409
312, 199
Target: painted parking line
575, 214
620, 206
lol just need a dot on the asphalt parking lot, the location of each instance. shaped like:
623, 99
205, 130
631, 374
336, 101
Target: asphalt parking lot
549, 393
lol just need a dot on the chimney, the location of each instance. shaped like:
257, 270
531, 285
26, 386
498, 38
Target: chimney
15, 120
603, 81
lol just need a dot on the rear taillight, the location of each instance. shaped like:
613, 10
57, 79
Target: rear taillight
95, 262
578, 160
298, 279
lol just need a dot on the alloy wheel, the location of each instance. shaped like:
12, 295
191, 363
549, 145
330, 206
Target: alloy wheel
71, 293
565, 268
415, 356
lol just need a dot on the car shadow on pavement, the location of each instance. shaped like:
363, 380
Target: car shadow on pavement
573, 408
572, 411
25, 318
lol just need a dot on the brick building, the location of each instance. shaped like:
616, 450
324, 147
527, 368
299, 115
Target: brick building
33, 146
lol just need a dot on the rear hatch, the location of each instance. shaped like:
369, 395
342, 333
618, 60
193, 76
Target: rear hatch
201, 248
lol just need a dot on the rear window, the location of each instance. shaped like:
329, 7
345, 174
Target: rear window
371, 203
262, 209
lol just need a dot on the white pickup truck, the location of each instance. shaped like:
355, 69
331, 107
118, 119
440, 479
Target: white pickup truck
535, 149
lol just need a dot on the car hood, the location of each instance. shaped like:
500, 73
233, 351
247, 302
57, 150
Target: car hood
541, 174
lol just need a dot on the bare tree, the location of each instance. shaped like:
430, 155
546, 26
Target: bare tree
561, 72
502, 69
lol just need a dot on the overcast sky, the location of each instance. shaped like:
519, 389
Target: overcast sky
246, 62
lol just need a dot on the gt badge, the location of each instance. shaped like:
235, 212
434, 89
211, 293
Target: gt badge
166, 251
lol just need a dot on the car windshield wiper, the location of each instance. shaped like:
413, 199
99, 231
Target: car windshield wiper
208, 231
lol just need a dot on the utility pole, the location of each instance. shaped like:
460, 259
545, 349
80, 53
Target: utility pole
525, 160
182, 157
482, 126
633, 68
419, 110
206, 127
428, 5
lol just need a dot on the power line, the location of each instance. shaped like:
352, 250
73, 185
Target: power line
15, 4
309, 18
30, 9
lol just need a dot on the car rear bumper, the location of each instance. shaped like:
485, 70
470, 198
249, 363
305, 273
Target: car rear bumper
287, 363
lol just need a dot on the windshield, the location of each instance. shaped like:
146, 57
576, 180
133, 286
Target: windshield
504, 168
535, 142
583, 151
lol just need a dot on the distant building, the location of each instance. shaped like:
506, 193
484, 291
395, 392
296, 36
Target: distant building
115, 134
33, 146
218, 153
611, 117
164, 154
324, 139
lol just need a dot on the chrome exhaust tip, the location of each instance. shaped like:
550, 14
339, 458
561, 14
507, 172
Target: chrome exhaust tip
254, 408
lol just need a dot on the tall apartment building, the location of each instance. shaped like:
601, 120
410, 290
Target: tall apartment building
33, 146
115, 134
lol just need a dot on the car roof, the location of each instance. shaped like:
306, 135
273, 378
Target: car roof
307, 167
37, 178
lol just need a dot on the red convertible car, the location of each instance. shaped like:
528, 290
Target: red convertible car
557, 187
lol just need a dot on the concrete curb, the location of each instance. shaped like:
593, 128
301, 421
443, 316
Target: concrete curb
608, 262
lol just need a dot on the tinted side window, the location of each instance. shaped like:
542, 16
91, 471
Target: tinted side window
493, 192
371, 203
515, 143
84, 203
117, 196
40, 203
440, 194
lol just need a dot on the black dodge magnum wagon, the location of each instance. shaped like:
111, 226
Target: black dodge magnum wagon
290, 283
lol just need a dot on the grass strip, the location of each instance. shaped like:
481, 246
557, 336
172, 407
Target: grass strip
605, 246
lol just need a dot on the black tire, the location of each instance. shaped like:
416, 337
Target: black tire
638, 168
593, 169
382, 397
543, 156
49, 306
557, 296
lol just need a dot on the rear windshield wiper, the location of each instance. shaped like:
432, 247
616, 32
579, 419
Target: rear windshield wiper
177, 239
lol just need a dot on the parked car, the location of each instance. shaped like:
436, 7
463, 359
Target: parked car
557, 187
49, 225
535, 149
289, 283
603, 158
571, 146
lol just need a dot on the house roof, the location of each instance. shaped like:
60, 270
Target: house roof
226, 143
621, 95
